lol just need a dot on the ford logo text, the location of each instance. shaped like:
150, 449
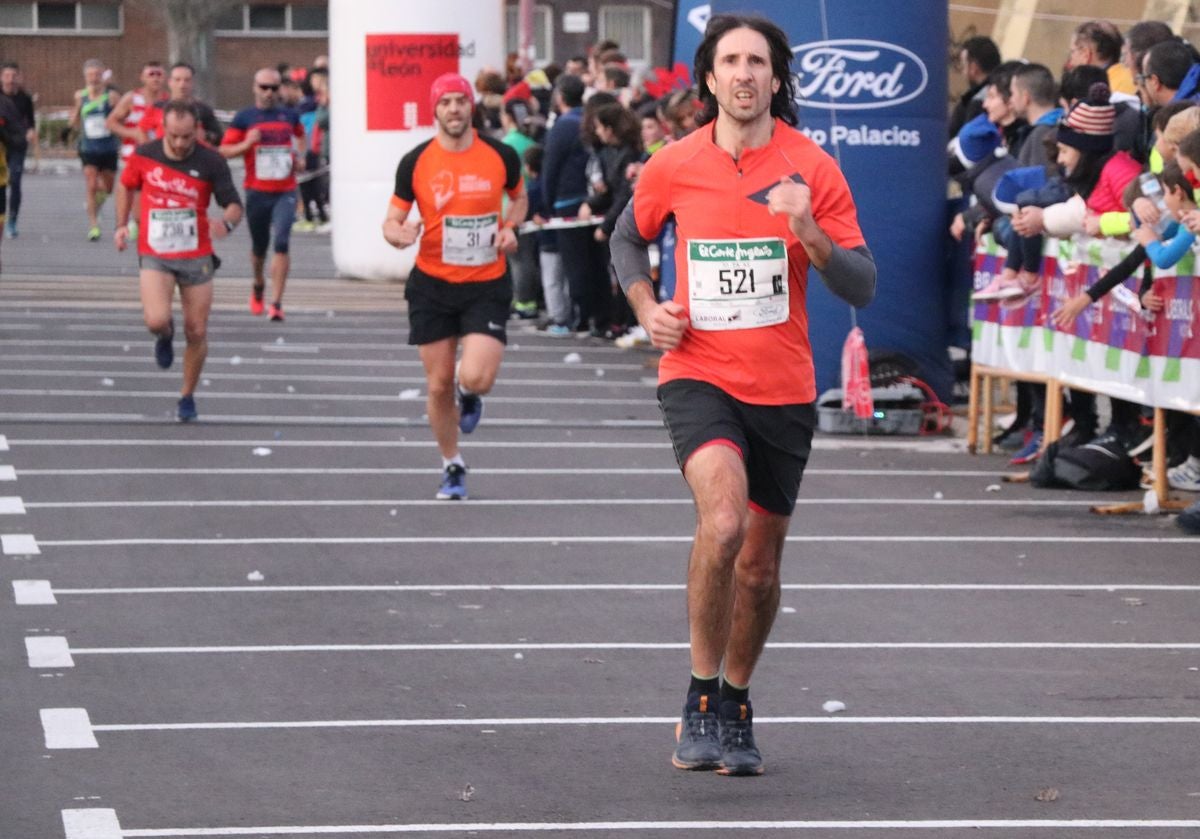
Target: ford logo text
854, 75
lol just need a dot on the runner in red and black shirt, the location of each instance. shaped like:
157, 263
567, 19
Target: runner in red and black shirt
177, 178
756, 203
181, 87
271, 139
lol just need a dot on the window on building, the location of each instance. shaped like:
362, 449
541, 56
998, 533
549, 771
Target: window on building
58, 17
543, 32
274, 19
629, 26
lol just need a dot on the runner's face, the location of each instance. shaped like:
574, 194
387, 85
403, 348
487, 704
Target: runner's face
266, 89
93, 76
8, 79
179, 136
453, 114
180, 83
742, 79
152, 79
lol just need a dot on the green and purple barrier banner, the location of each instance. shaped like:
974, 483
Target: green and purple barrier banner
1114, 347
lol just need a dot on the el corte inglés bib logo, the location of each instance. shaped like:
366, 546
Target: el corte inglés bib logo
857, 75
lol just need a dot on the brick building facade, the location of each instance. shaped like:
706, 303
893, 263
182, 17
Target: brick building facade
51, 52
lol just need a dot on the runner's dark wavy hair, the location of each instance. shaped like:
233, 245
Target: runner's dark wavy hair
783, 103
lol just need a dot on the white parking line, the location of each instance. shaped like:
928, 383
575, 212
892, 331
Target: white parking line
67, 728
11, 505
8, 473
260, 396
3, 443
55, 652
95, 823
481, 470
33, 593
44, 585
222, 362
365, 349
390, 381
612, 539
18, 544
72, 728
538, 502
382, 421
48, 651
103, 824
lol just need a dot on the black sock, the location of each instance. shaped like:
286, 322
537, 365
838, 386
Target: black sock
703, 686
729, 693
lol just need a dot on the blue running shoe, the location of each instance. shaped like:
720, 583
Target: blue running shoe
470, 411
185, 411
454, 484
164, 353
1030, 452
697, 738
739, 754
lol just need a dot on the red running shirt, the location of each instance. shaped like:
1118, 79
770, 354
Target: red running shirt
175, 198
714, 197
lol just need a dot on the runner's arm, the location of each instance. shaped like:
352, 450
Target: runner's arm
124, 203
76, 112
630, 254
116, 119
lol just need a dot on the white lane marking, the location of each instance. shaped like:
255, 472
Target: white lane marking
8, 473
636, 587
33, 593
530, 827
544, 502
297, 348
259, 396
550, 347
588, 721
583, 540
19, 544
215, 362
11, 505
94, 823
48, 651
389, 421
622, 645
221, 376
3, 443
68, 728
483, 470
916, 445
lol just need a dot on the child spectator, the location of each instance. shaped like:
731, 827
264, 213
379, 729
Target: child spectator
554, 285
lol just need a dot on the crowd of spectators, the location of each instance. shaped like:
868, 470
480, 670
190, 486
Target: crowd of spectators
582, 131
1109, 148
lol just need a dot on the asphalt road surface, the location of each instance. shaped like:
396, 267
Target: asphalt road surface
262, 624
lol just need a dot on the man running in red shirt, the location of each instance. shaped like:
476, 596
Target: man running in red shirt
176, 178
271, 139
460, 287
736, 385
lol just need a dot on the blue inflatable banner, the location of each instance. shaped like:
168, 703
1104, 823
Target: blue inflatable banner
871, 76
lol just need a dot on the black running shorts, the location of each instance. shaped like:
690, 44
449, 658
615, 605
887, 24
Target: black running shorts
438, 309
104, 161
774, 440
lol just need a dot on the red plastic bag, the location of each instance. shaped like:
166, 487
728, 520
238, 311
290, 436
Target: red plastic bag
856, 376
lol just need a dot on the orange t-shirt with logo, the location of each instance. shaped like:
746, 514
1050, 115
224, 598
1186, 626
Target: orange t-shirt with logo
717, 199
459, 195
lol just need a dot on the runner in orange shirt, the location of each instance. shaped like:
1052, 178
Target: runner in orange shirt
736, 384
459, 290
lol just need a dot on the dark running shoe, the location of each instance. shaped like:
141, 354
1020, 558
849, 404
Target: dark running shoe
739, 755
454, 484
470, 411
164, 353
185, 411
1189, 519
697, 742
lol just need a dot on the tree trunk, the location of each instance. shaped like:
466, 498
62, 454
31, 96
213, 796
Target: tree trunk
189, 26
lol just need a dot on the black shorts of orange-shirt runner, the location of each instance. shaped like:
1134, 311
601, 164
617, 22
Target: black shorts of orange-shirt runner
774, 441
438, 309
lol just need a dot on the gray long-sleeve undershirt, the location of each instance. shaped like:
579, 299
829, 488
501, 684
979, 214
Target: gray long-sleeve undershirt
850, 272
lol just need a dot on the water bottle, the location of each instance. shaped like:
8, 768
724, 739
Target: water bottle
1152, 189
